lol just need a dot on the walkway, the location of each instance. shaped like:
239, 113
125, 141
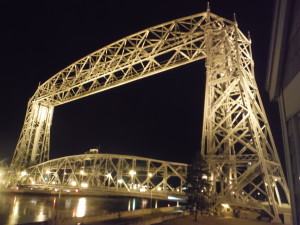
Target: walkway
211, 220
185, 220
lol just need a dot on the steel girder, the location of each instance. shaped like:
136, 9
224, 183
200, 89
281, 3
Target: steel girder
146, 53
107, 172
236, 139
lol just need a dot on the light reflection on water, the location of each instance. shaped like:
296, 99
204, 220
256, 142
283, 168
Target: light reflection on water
14, 216
81, 207
16, 209
41, 214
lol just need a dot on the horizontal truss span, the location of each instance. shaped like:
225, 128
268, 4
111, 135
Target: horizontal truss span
108, 172
137, 56
148, 52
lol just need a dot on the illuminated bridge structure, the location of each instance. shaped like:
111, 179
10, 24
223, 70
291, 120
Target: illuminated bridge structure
245, 169
107, 174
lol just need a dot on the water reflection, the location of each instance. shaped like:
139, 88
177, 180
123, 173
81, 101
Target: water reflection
133, 204
144, 203
68, 203
81, 207
14, 216
16, 209
41, 214
54, 202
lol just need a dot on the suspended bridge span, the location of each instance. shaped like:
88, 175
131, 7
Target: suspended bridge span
106, 174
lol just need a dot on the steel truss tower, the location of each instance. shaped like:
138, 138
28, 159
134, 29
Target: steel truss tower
237, 141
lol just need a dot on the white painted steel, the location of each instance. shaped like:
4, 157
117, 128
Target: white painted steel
237, 140
106, 173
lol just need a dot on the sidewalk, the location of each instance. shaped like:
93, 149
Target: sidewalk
212, 220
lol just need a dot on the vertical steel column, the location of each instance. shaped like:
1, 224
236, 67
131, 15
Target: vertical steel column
34, 142
237, 140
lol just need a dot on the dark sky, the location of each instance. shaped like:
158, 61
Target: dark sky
157, 117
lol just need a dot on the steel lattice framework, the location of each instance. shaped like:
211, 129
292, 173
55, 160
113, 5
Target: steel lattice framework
236, 139
109, 174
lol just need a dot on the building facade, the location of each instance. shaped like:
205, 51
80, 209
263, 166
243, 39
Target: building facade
283, 86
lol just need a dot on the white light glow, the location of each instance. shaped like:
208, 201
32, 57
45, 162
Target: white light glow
109, 175
174, 198
41, 215
120, 181
159, 188
133, 204
132, 172
48, 171
225, 206
73, 183
81, 207
150, 174
23, 173
14, 216
84, 185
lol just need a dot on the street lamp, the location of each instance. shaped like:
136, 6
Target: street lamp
132, 172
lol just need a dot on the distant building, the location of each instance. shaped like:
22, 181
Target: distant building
283, 85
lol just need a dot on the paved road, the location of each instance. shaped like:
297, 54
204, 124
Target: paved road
210, 220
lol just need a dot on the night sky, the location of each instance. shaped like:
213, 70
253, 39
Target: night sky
158, 117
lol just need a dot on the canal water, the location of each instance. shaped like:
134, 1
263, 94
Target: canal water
16, 209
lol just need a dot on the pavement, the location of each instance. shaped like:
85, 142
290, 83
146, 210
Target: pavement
184, 220
212, 220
